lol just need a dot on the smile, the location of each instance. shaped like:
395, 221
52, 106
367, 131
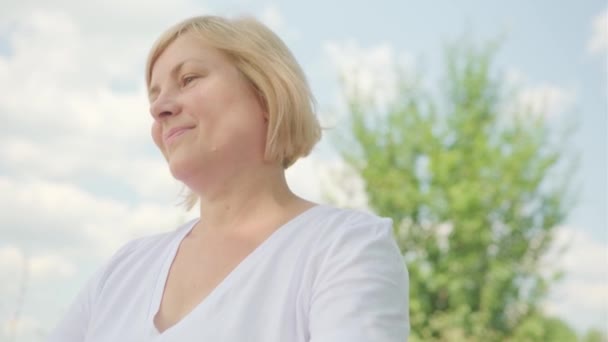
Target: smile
174, 133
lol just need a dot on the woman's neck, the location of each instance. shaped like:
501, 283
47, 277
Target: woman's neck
246, 200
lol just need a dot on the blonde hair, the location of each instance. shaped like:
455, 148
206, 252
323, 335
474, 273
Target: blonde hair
266, 62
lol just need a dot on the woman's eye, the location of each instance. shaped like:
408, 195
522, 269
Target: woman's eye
187, 79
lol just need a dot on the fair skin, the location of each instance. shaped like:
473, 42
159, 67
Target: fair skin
211, 126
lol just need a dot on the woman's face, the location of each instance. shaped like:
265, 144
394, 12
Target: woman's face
208, 119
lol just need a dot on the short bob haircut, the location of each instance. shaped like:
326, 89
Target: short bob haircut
266, 62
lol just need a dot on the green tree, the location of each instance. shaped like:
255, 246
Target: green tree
470, 182
539, 327
594, 335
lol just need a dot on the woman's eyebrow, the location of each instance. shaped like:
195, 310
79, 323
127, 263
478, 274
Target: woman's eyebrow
174, 71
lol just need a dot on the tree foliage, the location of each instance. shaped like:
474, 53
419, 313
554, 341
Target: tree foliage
470, 181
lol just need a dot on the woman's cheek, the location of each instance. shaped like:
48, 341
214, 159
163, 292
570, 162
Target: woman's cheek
157, 135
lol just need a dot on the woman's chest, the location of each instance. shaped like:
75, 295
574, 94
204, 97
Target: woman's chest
196, 271
263, 294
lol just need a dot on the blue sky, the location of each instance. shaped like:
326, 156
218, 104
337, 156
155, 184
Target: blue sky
79, 175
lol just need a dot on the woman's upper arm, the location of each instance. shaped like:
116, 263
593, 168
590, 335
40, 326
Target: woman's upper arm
73, 325
361, 291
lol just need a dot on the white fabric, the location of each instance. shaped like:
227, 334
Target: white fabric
328, 275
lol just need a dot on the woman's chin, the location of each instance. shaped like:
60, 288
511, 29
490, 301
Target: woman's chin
182, 169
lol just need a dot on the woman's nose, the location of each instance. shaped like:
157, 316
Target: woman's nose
164, 106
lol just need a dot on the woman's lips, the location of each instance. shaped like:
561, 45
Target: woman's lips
174, 133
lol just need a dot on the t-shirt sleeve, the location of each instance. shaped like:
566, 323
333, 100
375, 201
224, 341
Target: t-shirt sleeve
361, 291
74, 324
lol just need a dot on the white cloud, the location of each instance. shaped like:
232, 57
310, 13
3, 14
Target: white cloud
327, 180
24, 328
21, 274
342, 185
55, 83
582, 296
303, 179
14, 261
542, 99
46, 265
548, 100
9, 256
272, 17
112, 18
55, 101
12, 265
368, 72
67, 216
514, 77
598, 43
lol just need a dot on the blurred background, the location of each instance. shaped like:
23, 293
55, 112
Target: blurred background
479, 127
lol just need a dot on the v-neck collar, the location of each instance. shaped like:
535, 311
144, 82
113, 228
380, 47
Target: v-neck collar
222, 286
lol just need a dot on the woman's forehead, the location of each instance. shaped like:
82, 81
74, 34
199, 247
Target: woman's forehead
182, 52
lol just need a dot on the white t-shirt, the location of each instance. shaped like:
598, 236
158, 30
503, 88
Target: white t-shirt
328, 275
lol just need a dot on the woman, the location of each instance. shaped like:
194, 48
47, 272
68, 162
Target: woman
232, 110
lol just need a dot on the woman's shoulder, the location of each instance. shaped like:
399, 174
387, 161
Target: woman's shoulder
144, 249
334, 220
331, 228
359, 276
351, 213
150, 243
